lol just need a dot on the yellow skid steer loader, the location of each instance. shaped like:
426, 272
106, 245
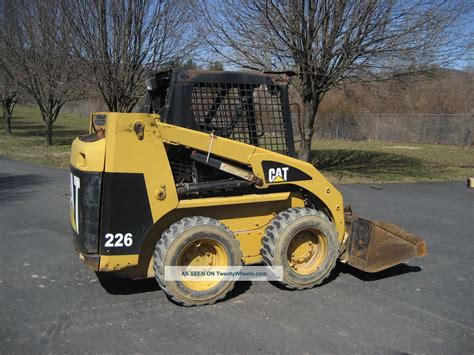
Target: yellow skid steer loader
206, 175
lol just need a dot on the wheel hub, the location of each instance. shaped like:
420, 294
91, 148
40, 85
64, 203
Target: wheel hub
306, 252
203, 253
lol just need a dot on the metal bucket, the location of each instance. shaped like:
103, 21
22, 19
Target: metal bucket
373, 246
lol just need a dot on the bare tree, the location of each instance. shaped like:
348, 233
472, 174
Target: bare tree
331, 42
9, 97
8, 88
120, 41
35, 38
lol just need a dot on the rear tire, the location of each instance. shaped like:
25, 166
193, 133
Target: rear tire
304, 242
191, 241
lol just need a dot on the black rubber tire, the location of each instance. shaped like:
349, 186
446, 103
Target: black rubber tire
279, 234
174, 239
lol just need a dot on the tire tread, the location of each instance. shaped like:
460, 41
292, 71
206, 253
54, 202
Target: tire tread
167, 238
275, 228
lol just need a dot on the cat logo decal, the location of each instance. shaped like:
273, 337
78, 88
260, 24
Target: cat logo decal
278, 173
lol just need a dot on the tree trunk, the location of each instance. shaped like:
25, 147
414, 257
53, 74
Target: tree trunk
49, 137
8, 122
311, 109
49, 131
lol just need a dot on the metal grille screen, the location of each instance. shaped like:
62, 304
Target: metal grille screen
247, 113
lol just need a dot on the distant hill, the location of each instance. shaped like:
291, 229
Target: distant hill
439, 91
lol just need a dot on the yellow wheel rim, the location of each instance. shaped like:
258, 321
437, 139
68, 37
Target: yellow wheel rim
307, 251
202, 253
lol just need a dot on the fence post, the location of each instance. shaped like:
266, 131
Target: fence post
429, 130
420, 124
376, 126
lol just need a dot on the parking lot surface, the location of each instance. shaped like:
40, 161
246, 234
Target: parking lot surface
50, 302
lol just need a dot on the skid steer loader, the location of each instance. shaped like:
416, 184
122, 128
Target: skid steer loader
205, 175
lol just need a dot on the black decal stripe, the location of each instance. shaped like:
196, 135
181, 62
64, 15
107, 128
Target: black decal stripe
88, 203
293, 174
125, 209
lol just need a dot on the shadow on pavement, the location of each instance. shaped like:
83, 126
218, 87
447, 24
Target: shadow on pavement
361, 275
120, 286
115, 285
15, 187
239, 288
396, 270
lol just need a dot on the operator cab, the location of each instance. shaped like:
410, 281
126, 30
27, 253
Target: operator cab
250, 107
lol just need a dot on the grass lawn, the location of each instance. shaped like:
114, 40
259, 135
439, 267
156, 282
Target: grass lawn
341, 161
27, 142
374, 161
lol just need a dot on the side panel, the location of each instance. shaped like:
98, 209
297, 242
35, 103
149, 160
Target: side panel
136, 172
126, 214
127, 153
248, 219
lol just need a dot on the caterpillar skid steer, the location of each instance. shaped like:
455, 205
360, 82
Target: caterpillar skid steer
206, 175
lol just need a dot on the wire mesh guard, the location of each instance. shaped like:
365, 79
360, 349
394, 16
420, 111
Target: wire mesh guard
243, 112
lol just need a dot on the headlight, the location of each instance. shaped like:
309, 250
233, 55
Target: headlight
99, 119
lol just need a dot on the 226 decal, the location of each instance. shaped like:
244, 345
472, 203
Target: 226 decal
118, 240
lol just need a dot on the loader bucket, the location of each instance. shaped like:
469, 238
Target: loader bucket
373, 246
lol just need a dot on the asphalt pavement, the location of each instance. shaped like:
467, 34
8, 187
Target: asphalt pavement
50, 302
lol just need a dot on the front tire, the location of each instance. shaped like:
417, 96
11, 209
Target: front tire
196, 241
304, 242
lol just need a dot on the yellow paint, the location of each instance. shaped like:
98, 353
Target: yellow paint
117, 262
251, 260
233, 200
220, 147
126, 153
88, 156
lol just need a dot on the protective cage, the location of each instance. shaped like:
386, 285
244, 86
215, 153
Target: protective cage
252, 108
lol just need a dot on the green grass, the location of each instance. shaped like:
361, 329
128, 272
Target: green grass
341, 161
374, 161
27, 142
